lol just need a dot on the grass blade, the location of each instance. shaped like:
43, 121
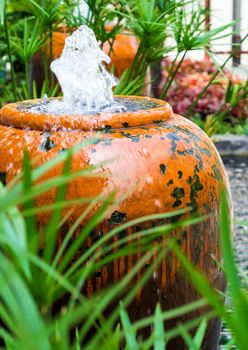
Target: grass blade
159, 339
130, 336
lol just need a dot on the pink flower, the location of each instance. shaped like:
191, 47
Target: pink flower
191, 79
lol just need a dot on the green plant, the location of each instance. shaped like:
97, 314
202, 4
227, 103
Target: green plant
44, 17
204, 90
190, 34
152, 22
222, 121
35, 276
235, 93
27, 46
236, 314
213, 125
42, 299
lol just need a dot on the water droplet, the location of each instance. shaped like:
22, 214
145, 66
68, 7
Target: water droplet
144, 152
149, 180
157, 203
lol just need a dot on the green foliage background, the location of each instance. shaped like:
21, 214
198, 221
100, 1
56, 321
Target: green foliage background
34, 275
162, 27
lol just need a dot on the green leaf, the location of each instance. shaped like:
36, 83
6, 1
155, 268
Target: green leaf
196, 342
71, 231
118, 289
19, 303
159, 341
2, 10
173, 313
215, 62
116, 336
30, 221
228, 96
129, 333
13, 235
235, 92
51, 230
226, 246
56, 276
80, 239
200, 282
78, 347
187, 338
39, 8
229, 345
199, 336
239, 320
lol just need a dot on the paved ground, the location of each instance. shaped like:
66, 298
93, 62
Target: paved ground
237, 170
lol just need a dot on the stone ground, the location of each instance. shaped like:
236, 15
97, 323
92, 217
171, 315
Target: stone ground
237, 170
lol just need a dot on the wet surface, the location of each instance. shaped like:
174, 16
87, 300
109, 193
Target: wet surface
57, 106
237, 170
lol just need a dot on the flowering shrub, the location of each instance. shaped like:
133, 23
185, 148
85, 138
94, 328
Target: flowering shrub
190, 80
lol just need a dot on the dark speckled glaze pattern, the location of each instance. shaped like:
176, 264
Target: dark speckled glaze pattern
170, 163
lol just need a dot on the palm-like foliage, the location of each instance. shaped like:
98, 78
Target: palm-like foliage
152, 22
36, 275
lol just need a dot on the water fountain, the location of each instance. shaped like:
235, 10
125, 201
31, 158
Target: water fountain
171, 162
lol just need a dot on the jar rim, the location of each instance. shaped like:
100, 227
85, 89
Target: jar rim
14, 115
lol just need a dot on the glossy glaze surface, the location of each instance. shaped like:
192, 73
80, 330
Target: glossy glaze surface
167, 160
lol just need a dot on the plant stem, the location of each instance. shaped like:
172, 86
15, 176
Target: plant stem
142, 68
12, 70
27, 79
202, 93
232, 105
51, 53
135, 61
167, 85
171, 69
45, 60
239, 98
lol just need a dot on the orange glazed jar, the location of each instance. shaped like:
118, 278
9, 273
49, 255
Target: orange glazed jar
171, 164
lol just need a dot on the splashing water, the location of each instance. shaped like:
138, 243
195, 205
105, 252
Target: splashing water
85, 82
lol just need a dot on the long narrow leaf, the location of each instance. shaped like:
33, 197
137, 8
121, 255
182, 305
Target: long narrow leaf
130, 336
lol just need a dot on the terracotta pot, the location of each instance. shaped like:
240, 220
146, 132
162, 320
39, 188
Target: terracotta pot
123, 52
58, 43
122, 55
173, 164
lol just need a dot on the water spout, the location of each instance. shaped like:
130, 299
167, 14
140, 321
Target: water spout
84, 80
